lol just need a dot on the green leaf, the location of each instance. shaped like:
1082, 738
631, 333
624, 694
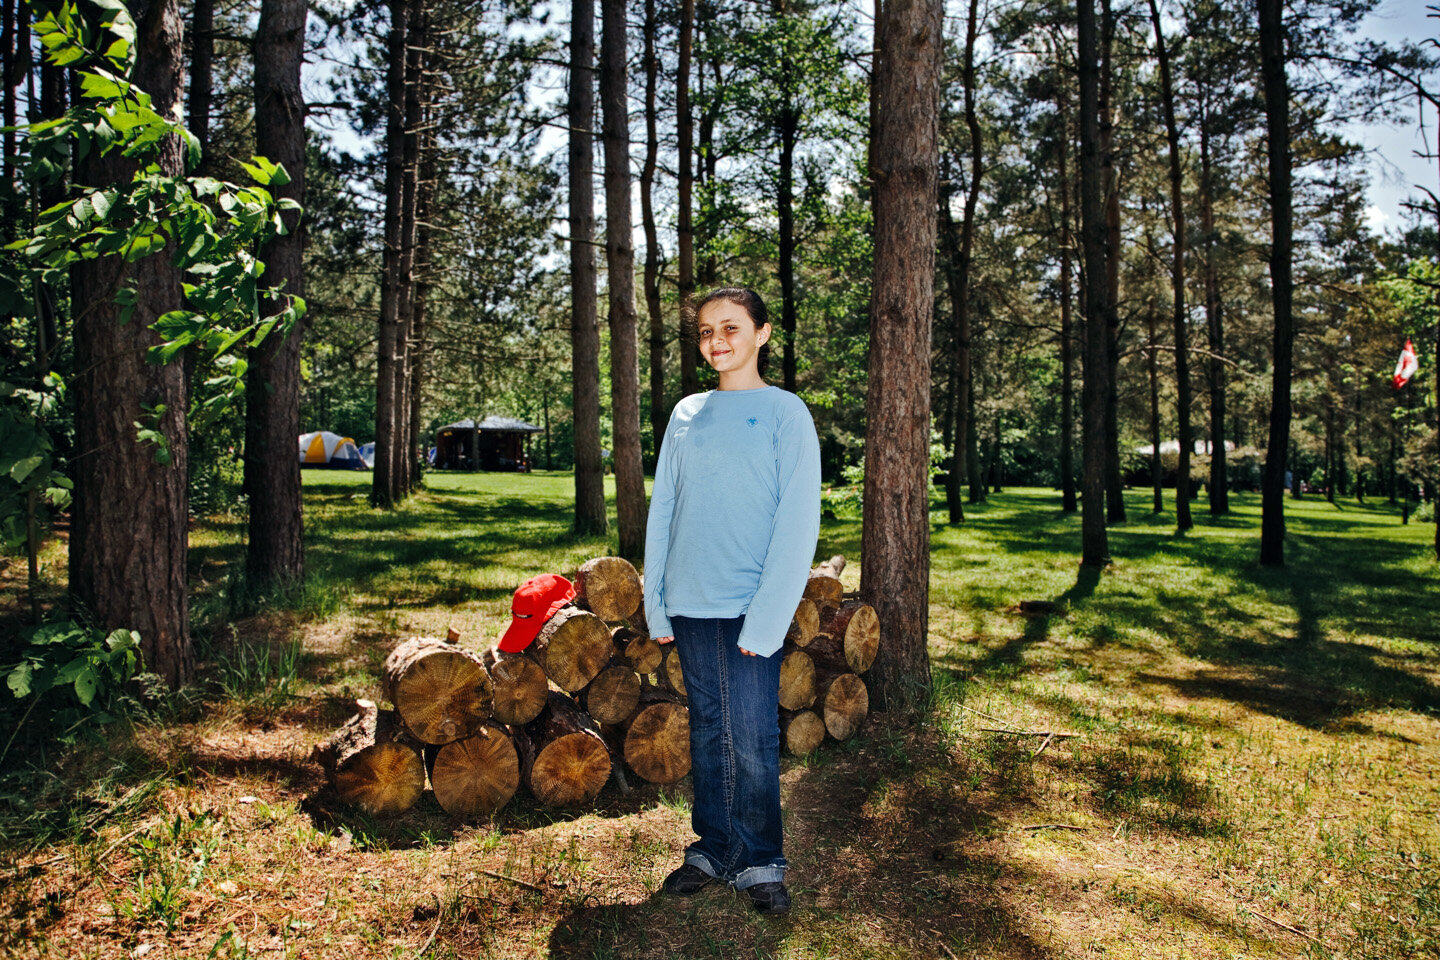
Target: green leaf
19, 679
85, 684
24, 468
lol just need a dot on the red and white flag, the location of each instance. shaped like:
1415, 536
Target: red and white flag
1407, 366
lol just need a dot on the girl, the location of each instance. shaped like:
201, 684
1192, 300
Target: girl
734, 517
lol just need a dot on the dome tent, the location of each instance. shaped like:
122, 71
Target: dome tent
331, 451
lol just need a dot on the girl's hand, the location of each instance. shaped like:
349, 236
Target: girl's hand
669, 639
748, 653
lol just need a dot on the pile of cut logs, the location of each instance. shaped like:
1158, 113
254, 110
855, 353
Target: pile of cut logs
593, 695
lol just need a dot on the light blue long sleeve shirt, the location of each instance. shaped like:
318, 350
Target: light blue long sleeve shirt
734, 513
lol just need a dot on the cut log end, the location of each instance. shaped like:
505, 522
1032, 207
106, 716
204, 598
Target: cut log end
671, 670
844, 705
609, 587
803, 731
383, 780
797, 680
613, 695
570, 770
442, 692
657, 745
573, 647
806, 623
520, 689
474, 777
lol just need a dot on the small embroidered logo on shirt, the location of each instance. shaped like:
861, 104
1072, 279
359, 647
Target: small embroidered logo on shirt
752, 421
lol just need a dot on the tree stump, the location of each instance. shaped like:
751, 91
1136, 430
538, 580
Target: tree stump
805, 625
373, 761
608, 587
573, 646
443, 693
657, 739
849, 637
474, 777
643, 653
797, 680
842, 702
563, 759
802, 731
613, 695
520, 686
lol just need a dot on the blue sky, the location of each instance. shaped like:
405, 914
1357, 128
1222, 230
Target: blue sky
1394, 168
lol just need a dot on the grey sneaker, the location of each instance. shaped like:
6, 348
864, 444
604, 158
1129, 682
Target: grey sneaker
769, 898
686, 880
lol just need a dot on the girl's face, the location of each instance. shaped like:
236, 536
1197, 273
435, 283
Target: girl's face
729, 340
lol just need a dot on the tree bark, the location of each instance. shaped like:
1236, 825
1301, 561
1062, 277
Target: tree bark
1110, 177
387, 413
272, 398
904, 162
199, 97
959, 276
590, 515
1219, 493
1068, 502
659, 415
630, 506
787, 132
685, 231
1177, 279
1095, 547
1152, 364
128, 543
1277, 124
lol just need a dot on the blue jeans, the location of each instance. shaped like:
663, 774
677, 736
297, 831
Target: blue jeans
734, 753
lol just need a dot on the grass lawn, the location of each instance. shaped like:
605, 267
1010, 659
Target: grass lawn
1249, 766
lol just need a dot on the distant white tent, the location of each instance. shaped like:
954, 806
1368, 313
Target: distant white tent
1202, 447
327, 450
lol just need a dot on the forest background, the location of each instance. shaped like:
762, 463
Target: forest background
448, 262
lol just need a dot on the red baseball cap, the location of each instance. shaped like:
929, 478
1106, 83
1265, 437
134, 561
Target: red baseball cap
536, 601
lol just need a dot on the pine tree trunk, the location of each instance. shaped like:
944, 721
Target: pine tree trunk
1277, 124
659, 415
1177, 279
387, 412
904, 163
199, 96
1219, 493
272, 398
129, 538
787, 133
417, 37
630, 506
1095, 548
590, 515
1110, 177
685, 231
1068, 502
1153, 367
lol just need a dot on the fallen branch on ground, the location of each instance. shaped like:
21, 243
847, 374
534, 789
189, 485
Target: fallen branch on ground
1286, 926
